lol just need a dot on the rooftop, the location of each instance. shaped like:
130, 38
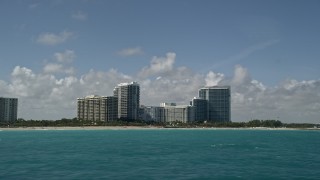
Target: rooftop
130, 83
216, 87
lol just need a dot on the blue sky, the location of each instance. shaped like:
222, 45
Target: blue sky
273, 43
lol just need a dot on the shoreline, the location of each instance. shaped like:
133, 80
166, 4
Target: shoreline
142, 128
77, 128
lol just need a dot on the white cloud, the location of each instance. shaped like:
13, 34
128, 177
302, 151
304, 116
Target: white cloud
131, 52
213, 79
44, 96
81, 16
159, 65
241, 75
53, 68
65, 57
70, 70
291, 101
22, 71
178, 85
62, 60
54, 39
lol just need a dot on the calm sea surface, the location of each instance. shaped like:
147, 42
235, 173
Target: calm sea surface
160, 154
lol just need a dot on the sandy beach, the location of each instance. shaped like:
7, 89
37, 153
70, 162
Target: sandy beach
140, 128
80, 128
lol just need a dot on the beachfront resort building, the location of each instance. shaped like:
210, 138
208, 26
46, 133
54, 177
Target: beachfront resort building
200, 109
213, 104
152, 113
98, 108
123, 105
219, 102
8, 109
174, 113
167, 112
128, 95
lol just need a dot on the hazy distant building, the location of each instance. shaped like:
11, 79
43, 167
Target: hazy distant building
98, 108
152, 113
167, 104
128, 95
219, 102
8, 109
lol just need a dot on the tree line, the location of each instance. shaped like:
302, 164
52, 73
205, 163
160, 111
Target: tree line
74, 122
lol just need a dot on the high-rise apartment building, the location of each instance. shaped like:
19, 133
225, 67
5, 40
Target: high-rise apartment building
219, 105
128, 95
98, 108
200, 108
213, 105
8, 109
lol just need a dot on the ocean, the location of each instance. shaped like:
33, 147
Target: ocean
160, 154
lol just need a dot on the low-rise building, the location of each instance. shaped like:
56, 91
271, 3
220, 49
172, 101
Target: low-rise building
167, 112
183, 113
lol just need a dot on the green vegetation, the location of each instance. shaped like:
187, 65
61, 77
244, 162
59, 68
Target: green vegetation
253, 123
69, 123
203, 124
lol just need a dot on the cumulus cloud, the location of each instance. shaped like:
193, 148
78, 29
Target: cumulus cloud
61, 63
159, 65
52, 68
81, 16
241, 75
179, 85
213, 79
54, 39
290, 101
65, 57
131, 52
45, 96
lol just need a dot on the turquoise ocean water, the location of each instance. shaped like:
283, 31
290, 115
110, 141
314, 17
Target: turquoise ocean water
160, 154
